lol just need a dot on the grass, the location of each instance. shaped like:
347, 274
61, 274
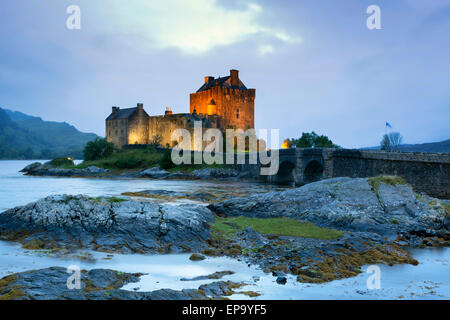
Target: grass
375, 182
128, 159
108, 199
137, 159
227, 228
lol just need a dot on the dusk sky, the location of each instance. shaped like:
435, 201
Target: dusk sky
314, 63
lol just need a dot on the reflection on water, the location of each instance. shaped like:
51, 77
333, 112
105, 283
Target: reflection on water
17, 189
428, 280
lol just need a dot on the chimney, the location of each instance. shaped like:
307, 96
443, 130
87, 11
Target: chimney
115, 109
140, 106
234, 74
208, 79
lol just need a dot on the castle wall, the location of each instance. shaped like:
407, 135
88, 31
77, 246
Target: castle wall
117, 132
228, 102
138, 132
167, 124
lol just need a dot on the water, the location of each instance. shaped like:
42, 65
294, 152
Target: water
429, 280
17, 189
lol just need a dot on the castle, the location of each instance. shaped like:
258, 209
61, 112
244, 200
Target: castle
220, 103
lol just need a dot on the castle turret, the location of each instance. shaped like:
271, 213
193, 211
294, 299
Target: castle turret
227, 97
234, 76
168, 111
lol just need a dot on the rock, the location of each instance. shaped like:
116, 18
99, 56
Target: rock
31, 167
197, 257
154, 173
209, 173
215, 275
342, 203
105, 224
95, 170
166, 194
281, 280
97, 284
47, 169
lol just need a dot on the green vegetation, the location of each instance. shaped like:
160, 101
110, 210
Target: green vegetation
108, 199
141, 158
26, 137
59, 162
446, 207
127, 159
311, 140
98, 149
227, 227
375, 182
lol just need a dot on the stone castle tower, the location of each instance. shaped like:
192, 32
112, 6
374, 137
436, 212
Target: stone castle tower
220, 103
227, 97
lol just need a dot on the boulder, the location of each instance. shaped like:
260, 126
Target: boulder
107, 224
342, 203
31, 167
155, 173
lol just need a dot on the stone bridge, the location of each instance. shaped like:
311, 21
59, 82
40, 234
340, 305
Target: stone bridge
426, 172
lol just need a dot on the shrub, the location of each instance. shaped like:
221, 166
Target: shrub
312, 140
98, 149
166, 161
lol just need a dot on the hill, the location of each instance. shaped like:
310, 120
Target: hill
432, 147
26, 137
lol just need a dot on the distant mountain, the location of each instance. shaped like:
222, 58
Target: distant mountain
26, 137
432, 147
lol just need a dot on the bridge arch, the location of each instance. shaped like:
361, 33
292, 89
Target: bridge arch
313, 171
286, 172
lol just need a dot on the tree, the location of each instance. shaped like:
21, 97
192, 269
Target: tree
391, 141
156, 140
312, 140
98, 149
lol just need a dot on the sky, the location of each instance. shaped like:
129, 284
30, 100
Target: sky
314, 63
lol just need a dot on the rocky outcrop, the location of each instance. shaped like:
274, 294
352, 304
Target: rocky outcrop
153, 173
107, 224
46, 169
220, 173
172, 195
97, 284
39, 169
346, 203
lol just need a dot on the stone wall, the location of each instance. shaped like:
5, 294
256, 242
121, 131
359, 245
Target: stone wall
117, 132
237, 107
138, 132
167, 124
429, 173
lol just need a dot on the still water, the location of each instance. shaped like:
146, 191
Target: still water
429, 280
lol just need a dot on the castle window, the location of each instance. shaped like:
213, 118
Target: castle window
237, 114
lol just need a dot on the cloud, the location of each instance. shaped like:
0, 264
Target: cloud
194, 26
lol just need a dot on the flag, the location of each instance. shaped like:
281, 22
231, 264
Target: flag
388, 125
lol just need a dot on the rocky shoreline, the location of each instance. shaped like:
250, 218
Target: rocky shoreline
46, 169
99, 284
369, 220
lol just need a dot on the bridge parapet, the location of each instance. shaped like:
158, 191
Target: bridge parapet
427, 172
